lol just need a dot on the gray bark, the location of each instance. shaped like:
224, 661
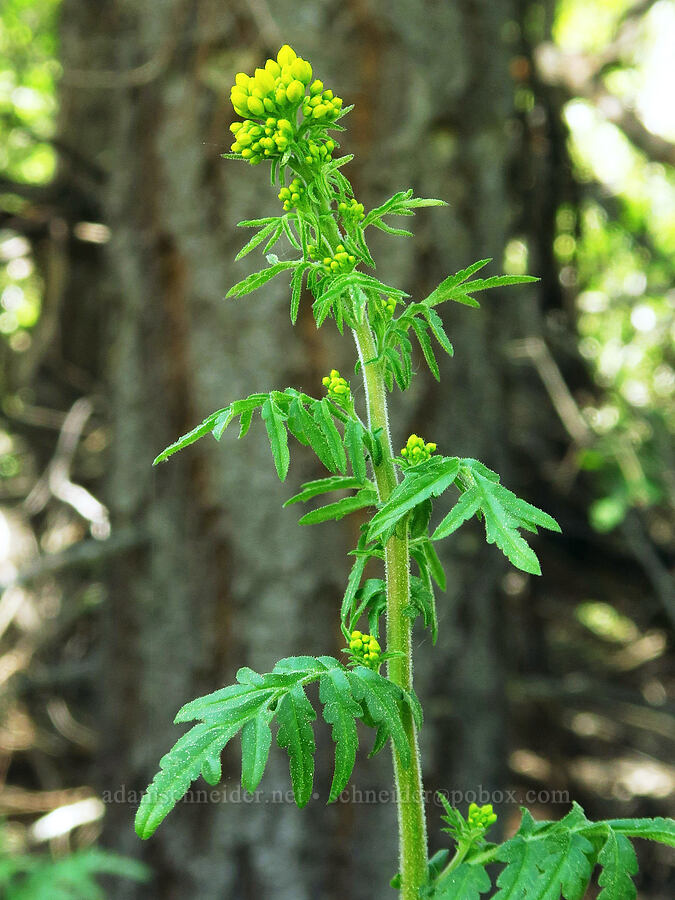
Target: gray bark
220, 576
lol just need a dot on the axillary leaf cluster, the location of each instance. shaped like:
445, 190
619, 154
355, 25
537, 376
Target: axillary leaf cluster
288, 118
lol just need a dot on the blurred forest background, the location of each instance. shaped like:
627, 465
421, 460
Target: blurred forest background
549, 127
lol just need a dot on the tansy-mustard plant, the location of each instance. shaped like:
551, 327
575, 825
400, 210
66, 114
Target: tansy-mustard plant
286, 116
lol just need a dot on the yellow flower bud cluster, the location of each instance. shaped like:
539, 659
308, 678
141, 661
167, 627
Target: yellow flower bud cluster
481, 816
322, 107
256, 142
276, 89
340, 262
292, 195
314, 152
336, 386
365, 649
416, 451
352, 211
388, 305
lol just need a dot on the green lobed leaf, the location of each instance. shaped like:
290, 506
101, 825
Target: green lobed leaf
245, 423
340, 710
423, 602
464, 509
228, 704
353, 582
257, 223
296, 291
503, 514
435, 566
288, 231
500, 529
295, 715
371, 599
354, 444
551, 860
258, 238
427, 479
548, 860
402, 203
256, 739
205, 428
258, 279
418, 521
467, 882
458, 288
452, 281
276, 432
324, 485
420, 330
388, 229
244, 408
323, 417
525, 861
657, 829
250, 705
373, 441
484, 284
305, 429
383, 700
438, 331
618, 862
178, 768
341, 508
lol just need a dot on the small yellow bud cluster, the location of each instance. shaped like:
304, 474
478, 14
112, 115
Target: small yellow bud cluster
318, 153
336, 386
352, 211
340, 262
278, 88
388, 305
292, 194
416, 451
322, 107
256, 142
481, 816
366, 649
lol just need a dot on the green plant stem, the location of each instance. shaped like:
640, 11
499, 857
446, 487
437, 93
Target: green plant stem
408, 781
456, 860
412, 826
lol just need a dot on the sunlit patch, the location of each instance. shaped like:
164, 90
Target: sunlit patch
605, 621
657, 59
643, 318
593, 301
64, 819
625, 778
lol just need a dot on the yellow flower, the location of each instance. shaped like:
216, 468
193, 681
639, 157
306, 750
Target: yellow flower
351, 211
275, 91
416, 451
337, 388
341, 262
365, 650
291, 195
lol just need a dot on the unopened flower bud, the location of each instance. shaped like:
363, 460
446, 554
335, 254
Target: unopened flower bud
286, 55
295, 91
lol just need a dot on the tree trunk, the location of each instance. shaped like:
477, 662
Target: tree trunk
218, 575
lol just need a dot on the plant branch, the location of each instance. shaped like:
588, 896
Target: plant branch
411, 815
408, 781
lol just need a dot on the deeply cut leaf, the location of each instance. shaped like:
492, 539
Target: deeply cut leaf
427, 479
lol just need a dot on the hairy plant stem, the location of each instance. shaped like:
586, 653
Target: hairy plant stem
408, 781
412, 826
